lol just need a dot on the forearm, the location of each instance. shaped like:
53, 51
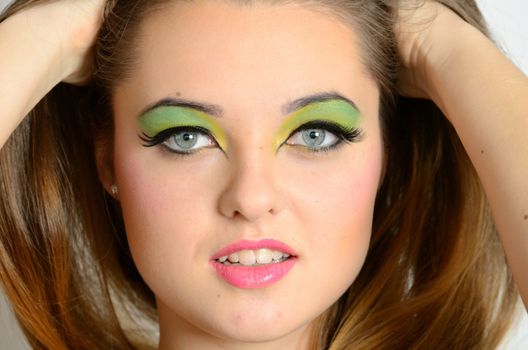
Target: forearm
28, 71
486, 98
40, 46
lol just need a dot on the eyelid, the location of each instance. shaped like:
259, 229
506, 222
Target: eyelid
162, 136
320, 124
165, 117
341, 133
339, 112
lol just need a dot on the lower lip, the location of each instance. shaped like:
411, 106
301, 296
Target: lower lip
251, 277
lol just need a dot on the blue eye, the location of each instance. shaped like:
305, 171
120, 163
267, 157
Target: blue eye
321, 135
182, 140
314, 139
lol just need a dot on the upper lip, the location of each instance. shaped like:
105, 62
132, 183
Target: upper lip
271, 244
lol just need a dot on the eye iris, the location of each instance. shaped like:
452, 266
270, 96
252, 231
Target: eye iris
186, 140
314, 137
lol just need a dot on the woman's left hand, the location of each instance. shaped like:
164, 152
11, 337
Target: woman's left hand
485, 97
424, 32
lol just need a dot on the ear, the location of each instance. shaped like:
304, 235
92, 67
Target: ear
104, 163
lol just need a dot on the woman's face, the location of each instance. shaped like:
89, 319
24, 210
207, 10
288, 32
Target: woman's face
263, 135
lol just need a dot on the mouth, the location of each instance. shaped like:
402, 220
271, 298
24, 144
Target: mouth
254, 264
259, 257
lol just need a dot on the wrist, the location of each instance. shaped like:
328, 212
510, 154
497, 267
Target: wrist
452, 50
61, 35
30, 38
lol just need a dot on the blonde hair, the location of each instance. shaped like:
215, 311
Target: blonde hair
435, 275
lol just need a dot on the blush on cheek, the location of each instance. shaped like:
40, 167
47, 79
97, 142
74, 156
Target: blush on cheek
166, 201
351, 205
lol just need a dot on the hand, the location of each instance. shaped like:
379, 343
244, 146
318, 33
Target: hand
70, 25
88, 15
425, 32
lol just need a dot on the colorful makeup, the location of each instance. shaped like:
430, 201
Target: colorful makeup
311, 116
161, 118
334, 111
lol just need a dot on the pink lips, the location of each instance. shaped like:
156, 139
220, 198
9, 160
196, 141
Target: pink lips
254, 276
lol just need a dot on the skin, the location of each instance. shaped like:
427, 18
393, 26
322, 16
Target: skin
470, 79
475, 85
180, 210
38, 53
337, 111
165, 117
160, 118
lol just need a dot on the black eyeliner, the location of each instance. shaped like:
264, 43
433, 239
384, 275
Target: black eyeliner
162, 136
343, 133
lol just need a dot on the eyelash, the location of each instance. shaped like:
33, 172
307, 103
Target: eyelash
162, 136
343, 134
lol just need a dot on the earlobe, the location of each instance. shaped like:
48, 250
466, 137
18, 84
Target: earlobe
105, 169
114, 190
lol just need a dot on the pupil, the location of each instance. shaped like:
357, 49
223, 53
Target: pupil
186, 140
314, 137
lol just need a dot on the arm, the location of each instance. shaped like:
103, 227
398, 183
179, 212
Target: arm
40, 47
486, 99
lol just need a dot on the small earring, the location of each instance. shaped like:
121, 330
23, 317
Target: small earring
114, 190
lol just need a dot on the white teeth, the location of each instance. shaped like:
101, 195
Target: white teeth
233, 258
247, 257
264, 256
276, 255
261, 256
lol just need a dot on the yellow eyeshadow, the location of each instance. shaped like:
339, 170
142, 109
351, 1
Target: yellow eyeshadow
336, 111
166, 117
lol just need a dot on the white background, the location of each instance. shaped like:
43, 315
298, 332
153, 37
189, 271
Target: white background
508, 20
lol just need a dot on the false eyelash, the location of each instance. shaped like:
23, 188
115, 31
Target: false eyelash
151, 141
343, 134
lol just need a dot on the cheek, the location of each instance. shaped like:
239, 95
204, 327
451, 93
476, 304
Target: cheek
336, 195
170, 208
163, 204
336, 208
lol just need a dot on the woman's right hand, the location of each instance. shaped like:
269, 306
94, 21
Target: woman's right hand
88, 16
73, 27
42, 45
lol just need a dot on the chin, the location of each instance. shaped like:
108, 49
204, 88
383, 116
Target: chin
245, 328
258, 333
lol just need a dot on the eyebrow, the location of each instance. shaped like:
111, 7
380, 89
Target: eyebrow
217, 111
207, 108
297, 104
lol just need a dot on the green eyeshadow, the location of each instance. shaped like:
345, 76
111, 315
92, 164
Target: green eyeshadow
166, 117
337, 111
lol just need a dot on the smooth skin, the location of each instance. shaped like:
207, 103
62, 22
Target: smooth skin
482, 93
180, 210
41, 47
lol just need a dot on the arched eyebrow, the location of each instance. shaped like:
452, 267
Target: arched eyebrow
208, 108
217, 111
297, 104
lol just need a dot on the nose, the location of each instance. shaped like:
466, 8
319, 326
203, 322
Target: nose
250, 193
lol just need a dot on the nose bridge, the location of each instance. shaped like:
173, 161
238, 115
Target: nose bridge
251, 191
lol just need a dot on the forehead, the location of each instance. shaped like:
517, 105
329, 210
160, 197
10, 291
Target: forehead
213, 50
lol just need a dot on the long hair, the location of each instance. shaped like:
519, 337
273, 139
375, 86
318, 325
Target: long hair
435, 275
